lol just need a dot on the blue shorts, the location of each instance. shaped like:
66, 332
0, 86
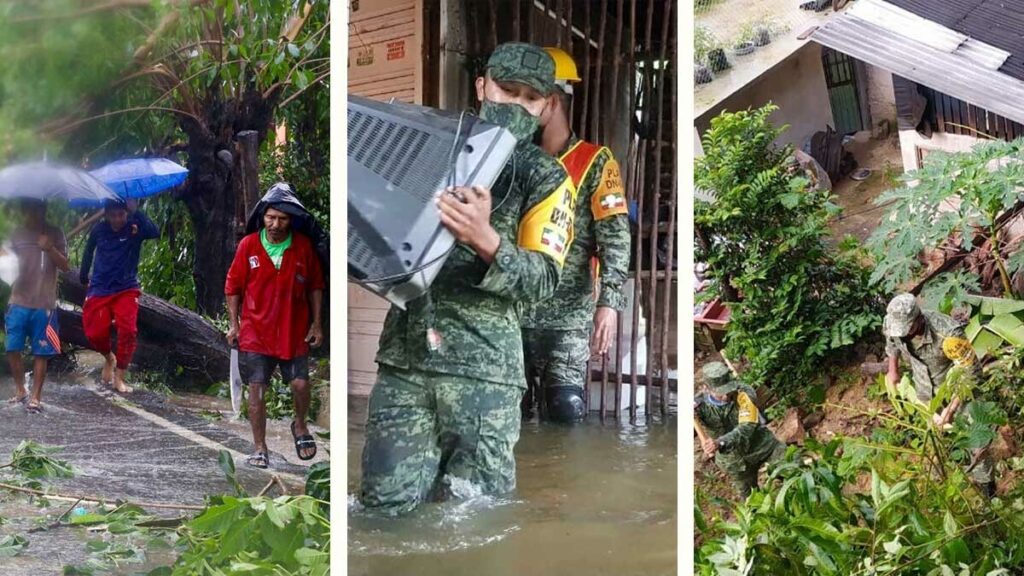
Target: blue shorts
32, 323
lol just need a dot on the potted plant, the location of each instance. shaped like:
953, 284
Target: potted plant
703, 43
744, 43
743, 47
708, 50
701, 74
717, 60
762, 35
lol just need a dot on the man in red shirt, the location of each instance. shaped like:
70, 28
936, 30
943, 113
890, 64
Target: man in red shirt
275, 296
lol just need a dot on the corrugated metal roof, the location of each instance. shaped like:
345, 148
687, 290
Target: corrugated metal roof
908, 24
996, 22
917, 28
951, 73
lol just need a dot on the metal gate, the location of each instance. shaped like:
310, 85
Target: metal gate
843, 94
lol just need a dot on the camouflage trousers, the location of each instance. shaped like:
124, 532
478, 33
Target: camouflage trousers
424, 427
554, 358
742, 473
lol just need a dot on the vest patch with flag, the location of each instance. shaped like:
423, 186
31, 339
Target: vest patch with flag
554, 239
547, 227
610, 198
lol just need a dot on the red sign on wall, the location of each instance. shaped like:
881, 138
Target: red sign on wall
396, 50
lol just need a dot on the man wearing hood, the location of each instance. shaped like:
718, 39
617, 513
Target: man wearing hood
446, 403
274, 294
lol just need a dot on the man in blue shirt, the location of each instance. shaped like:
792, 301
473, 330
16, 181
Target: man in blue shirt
112, 298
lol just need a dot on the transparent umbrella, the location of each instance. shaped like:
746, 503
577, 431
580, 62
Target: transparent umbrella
48, 181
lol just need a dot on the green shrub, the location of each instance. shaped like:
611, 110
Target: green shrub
899, 503
953, 199
795, 301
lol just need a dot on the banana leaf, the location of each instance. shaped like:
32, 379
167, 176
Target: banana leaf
972, 328
1008, 327
985, 341
988, 306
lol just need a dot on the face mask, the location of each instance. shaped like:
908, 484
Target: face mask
514, 117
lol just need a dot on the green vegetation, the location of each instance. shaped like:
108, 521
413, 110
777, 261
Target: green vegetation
953, 202
174, 80
702, 6
899, 500
232, 534
796, 303
896, 503
258, 535
703, 43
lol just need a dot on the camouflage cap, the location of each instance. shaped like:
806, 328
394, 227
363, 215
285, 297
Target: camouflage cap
718, 378
900, 316
523, 63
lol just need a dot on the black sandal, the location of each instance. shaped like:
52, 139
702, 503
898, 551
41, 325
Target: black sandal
258, 460
34, 407
304, 442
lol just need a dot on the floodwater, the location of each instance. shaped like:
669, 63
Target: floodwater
592, 500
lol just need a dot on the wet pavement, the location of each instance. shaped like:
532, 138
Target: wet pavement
595, 499
138, 447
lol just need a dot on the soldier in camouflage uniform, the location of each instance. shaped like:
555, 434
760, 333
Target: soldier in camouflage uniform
739, 439
560, 334
931, 343
446, 401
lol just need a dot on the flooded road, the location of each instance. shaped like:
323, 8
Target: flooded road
591, 500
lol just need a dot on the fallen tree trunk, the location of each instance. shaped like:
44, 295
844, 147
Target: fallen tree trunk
172, 340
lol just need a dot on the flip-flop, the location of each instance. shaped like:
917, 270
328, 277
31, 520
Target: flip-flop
258, 460
16, 400
304, 442
34, 408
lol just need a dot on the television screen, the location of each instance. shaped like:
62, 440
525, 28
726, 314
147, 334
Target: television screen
399, 157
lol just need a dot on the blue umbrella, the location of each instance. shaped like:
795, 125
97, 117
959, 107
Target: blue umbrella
141, 177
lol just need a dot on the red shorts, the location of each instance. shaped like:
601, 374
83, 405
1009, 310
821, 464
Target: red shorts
102, 314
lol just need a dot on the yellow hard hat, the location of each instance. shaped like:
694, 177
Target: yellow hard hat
565, 68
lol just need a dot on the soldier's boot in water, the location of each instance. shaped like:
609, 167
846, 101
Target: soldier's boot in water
564, 404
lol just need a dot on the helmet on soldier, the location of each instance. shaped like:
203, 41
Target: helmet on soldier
565, 69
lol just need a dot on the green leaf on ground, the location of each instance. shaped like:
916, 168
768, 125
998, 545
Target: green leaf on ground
12, 545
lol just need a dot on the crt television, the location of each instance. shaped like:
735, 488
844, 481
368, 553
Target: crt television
399, 157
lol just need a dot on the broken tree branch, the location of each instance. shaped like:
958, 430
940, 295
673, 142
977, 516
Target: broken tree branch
98, 500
